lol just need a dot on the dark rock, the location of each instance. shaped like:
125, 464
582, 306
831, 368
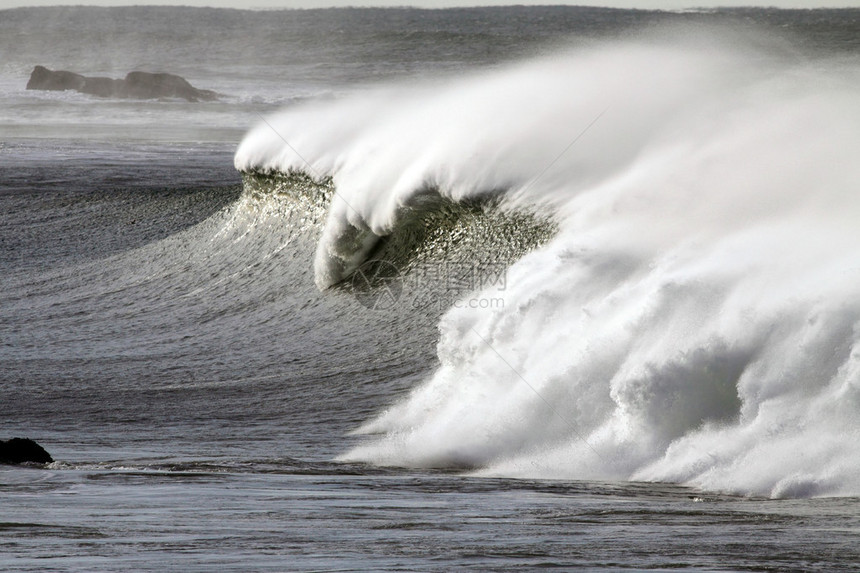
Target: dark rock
102, 87
23, 450
44, 79
144, 85
136, 85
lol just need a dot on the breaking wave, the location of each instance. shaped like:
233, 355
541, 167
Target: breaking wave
695, 315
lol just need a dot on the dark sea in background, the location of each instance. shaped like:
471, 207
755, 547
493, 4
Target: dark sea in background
161, 334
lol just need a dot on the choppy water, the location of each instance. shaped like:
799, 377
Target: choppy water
163, 335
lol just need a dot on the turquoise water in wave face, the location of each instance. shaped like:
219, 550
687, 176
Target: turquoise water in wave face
162, 336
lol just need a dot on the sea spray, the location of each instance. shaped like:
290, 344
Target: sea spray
696, 317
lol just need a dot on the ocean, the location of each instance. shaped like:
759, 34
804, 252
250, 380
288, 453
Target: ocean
493, 289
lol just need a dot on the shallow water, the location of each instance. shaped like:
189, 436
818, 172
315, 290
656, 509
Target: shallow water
300, 516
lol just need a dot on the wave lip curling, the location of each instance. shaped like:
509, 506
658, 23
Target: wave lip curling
697, 317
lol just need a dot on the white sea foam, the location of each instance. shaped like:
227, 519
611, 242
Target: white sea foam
697, 318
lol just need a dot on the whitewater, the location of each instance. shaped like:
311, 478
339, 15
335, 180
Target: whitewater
694, 319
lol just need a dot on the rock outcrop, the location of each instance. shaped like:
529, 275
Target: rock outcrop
23, 450
136, 85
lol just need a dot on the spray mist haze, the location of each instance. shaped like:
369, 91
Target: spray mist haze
695, 318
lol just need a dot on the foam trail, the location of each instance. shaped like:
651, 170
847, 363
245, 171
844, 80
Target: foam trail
697, 318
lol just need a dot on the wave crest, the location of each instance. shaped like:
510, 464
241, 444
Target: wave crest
696, 318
